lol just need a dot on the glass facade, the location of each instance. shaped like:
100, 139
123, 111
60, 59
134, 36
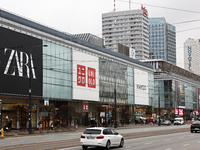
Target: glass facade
57, 71
173, 94
162, 40
121, 76
111, 76
151, 88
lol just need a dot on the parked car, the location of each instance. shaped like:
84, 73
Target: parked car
101, 137
195, 126
178, 121
167, 122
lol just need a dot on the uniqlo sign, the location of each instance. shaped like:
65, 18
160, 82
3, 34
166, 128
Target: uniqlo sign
85, 76
81, 76
85, 106
91, 78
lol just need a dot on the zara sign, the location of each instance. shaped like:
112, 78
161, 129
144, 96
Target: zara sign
14, 60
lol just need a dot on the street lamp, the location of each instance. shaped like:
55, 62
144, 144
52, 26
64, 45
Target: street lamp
30, 86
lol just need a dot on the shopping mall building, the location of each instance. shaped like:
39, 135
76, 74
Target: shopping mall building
69, 71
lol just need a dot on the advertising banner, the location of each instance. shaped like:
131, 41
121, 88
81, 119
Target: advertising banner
180, 112
85, 76
181, 95
16, 50
199, 99
141, 87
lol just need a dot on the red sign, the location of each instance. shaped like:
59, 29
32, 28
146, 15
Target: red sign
144, 10
85, 107
197, 112
180, 112
199, 98
81, 75
91, 78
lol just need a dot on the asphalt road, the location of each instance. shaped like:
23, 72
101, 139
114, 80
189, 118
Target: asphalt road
177, 141
51, 141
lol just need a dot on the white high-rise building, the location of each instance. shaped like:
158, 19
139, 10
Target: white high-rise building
192, 55
130, 28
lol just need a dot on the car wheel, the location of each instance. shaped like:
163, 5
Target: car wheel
191, 131
84, 147
121, 143
195, 131
108, 145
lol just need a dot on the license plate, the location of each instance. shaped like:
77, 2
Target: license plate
196, 128
90, 137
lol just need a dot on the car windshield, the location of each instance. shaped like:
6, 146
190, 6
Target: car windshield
92, 131
177, 119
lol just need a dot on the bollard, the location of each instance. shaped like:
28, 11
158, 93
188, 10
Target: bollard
2, 135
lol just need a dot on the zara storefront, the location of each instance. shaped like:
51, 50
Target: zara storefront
68, 71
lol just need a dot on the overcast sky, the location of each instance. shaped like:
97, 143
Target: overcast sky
84, 16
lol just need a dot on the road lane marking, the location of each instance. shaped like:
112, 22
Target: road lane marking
69, 148
186, 144
168, 149
149, 143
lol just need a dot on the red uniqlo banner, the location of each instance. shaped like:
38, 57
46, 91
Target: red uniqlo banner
91, 78
81, 75
83, 107
86, 107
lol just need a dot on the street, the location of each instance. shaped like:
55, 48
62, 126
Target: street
139, 137
177, 141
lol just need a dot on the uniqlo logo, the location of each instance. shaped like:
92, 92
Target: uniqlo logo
91, 78
81, 75
83, 107
86, 107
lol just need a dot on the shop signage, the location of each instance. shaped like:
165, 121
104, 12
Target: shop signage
189, 57
0, 115
197, 112
85, 76
85, 106
18, 64
144, 10
15, 66
180, 112
81, 76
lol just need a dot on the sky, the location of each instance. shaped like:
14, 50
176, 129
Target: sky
85, 16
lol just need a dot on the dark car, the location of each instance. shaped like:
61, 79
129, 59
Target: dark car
195, 126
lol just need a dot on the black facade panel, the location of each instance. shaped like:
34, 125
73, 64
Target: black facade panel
15, 49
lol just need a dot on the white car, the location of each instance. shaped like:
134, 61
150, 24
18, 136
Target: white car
101, 137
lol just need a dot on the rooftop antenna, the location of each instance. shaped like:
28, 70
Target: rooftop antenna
114, 5
129, 4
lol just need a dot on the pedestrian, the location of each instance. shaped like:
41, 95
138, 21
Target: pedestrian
51, 126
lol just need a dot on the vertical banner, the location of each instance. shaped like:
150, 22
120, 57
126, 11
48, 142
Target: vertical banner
198, 99
181, 95
0, 114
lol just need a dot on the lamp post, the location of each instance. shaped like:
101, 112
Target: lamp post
159, 124
30, 89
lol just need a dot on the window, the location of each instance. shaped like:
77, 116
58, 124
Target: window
91, 131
